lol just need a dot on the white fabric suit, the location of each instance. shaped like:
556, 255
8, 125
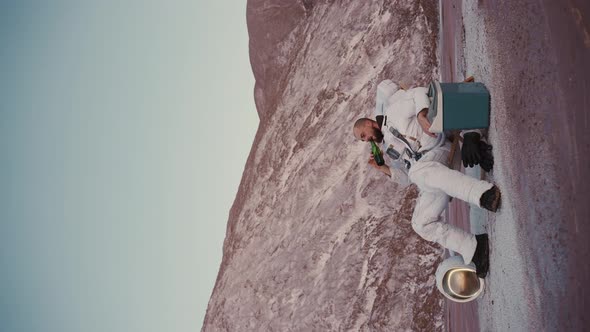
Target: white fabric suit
430, 173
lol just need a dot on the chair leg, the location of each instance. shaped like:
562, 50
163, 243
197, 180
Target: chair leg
456, 138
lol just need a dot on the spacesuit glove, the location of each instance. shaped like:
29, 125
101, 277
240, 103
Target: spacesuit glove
470, 150
487, 159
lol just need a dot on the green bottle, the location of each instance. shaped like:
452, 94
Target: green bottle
377, 154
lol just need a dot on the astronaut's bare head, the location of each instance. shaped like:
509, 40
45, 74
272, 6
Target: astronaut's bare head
366, 130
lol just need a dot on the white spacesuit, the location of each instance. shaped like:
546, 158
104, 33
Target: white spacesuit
426, 157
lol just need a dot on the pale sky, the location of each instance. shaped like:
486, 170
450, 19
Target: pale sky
124, 130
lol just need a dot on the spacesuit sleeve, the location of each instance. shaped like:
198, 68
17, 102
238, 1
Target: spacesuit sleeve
421, 100
399, 173
385, 89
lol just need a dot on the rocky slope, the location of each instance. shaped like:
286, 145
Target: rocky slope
316, 240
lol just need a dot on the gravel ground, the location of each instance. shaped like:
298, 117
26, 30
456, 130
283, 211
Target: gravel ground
534, 57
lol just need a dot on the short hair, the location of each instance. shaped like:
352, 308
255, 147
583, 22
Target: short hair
361, 122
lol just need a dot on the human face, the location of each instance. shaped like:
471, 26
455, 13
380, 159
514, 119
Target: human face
369, 131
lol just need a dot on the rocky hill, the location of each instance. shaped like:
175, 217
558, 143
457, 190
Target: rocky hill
316, 239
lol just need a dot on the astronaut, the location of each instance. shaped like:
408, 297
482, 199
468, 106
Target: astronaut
415, 155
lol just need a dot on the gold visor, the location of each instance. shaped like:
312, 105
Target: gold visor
461, 283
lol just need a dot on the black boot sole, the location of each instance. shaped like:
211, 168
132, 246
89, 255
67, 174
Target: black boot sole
483, 254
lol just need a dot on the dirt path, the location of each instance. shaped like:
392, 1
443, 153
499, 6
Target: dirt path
460, 317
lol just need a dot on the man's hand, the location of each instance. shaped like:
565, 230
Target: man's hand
424, 123
373, 163
383, 168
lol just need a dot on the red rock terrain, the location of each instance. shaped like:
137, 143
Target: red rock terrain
317, 240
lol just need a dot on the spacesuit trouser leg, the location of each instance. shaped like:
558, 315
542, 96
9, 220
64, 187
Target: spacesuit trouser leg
433, 176
427, 222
